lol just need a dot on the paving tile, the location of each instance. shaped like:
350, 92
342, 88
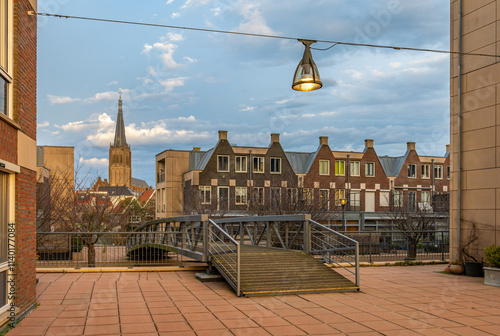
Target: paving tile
177, 333
168, 318
212, 332
78, 321
64, 331
381, 325
206, 325
136, 328
271, 321
111, 329
199, 317
28, 331
229, 315
285, 331
131, 311
239, 323
127, 319
104, 320
250, 332
350, 327
173, 326
306, 319
318, 329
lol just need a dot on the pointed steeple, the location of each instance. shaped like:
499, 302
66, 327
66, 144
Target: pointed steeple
120, 139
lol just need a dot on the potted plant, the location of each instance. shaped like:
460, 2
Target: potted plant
469, 253
492, 273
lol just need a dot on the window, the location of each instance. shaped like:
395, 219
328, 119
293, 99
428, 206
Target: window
339, 194
340, 167
412, 171
398, 198
426, 171
324, 167
291, 196
324, 199
384, 198
205, 194
241, 195
275, 197
275, 165
412, 199
258, 164
259, 195
241, 164
223, 204
5, 57
307, 196
448, 172
355, 168
438, 171
370, 169
355, 200
222, 163
425, 197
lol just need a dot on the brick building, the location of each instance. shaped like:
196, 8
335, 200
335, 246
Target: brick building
234, 181
18, 38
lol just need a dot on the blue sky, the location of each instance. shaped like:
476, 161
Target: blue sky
180, 87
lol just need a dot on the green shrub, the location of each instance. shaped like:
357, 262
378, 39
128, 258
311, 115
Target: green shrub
493, 255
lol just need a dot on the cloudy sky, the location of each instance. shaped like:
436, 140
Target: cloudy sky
180, 87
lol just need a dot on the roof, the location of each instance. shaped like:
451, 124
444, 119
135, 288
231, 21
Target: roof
301, 162
146, 196
116, 190
120, 138
392, 165
139, 183
200, 162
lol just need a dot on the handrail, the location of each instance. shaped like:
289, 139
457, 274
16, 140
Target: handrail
215, 247
332, 248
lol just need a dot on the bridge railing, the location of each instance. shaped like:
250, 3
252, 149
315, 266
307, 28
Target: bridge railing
225, 252
334, 248
183, 235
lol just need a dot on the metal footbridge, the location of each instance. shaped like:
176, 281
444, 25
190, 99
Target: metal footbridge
263, 255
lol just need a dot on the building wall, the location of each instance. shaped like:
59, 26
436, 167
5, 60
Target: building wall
18, 152
120, 166
480, 181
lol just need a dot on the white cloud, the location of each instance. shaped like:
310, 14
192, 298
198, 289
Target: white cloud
309, 115
44, 124
246, 108
94, 162
113, 83
56, 100
172, 83
190, 60
102, 96
396, 65
175, 15
254, 21
169, 2
216, 10
165, 49
283, 101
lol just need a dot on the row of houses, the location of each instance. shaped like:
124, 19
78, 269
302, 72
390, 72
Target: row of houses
230, 180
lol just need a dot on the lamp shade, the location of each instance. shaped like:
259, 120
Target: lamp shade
306, 77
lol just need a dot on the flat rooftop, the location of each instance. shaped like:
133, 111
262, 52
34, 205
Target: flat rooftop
412, 300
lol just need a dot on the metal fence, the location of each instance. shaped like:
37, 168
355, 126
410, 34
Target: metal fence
103, 249
389, 246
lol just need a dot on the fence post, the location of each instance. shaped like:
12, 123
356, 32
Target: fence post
357, 263
268, 231
205, 238
370, 244
241, 233
442, 245
238, 269
307, 237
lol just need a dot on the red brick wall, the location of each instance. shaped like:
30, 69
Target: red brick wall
25, 39
25, 31
25, 238
8, 142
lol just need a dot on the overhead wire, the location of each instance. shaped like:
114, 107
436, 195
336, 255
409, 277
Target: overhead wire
265, 35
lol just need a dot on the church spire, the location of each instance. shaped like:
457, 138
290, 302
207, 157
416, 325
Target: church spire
120, 139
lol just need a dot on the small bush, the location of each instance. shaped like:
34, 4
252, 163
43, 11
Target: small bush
493, 255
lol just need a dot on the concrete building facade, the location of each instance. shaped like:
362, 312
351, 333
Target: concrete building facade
18, 38
475, 123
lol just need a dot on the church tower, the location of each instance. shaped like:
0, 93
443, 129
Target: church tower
120, 157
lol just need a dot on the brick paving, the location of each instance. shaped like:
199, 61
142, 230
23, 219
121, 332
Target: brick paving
415, 300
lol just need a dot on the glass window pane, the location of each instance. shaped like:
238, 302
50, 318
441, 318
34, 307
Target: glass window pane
3, 217
3, 96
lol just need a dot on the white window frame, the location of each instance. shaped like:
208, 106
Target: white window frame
271, 165
203, 194
412, 170
339, 170
240, 195
385, 199
219, 157
6, 70
425, 171
308, 195
239, 167
355, 198
324, 167
339, 194
367, 170
438, 172
352, 171
260, 164
260, 195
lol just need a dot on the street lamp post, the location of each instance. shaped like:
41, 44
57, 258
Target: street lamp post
343, 202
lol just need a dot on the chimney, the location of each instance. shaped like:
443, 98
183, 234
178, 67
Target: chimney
222, 135
275, 137
368, 143
323, 141
447, 148
410, 145
106, 181
196, 149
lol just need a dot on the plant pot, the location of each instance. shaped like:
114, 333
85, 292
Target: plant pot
456, 269
492, 276
474, 269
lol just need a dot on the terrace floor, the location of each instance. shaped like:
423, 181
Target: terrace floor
416, 300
